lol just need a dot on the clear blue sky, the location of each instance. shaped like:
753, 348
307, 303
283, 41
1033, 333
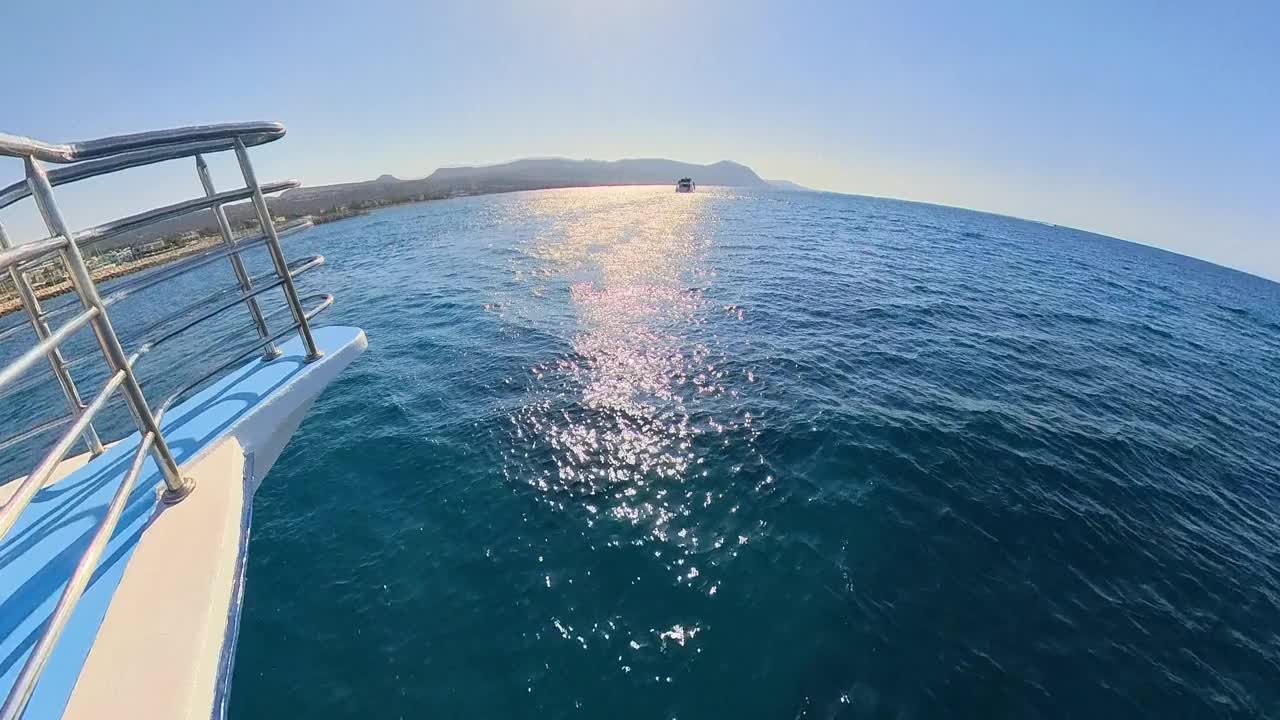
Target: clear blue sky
1157, 122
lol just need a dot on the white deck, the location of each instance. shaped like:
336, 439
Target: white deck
159, 648
154, 635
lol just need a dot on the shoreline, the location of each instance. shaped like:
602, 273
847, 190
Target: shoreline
12, 303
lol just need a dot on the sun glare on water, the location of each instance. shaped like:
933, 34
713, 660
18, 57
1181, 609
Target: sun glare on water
620, 425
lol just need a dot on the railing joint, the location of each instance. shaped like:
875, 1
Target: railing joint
173, 496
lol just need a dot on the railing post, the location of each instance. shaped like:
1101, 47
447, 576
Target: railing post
269, 352
35, 314
277, 255
176, 486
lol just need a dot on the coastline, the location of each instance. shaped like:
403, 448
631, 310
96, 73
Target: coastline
10, 303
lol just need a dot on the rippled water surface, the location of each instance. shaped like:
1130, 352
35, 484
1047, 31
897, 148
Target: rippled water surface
626, 453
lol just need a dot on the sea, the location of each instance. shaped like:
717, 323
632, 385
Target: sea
625, 453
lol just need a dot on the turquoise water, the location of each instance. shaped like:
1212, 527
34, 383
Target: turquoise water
627, 453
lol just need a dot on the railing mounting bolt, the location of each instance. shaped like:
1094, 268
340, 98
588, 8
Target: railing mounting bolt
173, 497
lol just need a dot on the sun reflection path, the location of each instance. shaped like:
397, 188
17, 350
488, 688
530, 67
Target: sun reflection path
631, 424
618, 419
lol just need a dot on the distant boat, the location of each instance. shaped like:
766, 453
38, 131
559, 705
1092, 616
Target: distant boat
685, 185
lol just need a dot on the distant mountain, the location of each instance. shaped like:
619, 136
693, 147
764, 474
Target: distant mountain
558, 172
788, 185
528, 174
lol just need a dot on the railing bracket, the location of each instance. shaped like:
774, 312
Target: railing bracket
173, 497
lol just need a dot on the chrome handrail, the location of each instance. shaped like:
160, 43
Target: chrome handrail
150, 217
244, 297
35, 430
38, 477
148, 280
182, 266
325, 301
83, 284
34, 380
93, 168
25, 684
237, 264
24, 362
250, 133
10, 257
273, 249
39, 321
92, 159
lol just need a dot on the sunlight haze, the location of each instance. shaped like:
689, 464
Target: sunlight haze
1153, 122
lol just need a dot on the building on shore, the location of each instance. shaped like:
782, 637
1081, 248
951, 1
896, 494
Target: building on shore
49, 272
149, 248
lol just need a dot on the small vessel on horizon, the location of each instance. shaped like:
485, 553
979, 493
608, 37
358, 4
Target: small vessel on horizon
685, 184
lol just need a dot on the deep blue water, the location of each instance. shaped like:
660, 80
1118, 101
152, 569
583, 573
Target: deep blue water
632, 454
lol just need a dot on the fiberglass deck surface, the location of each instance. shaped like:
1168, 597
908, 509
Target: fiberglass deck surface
39, 554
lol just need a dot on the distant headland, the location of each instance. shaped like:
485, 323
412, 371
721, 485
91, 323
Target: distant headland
167, 241
331, 202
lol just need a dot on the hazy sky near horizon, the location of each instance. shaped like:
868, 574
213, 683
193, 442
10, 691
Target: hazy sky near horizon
1157, 122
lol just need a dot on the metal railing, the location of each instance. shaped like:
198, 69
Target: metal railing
92, 159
